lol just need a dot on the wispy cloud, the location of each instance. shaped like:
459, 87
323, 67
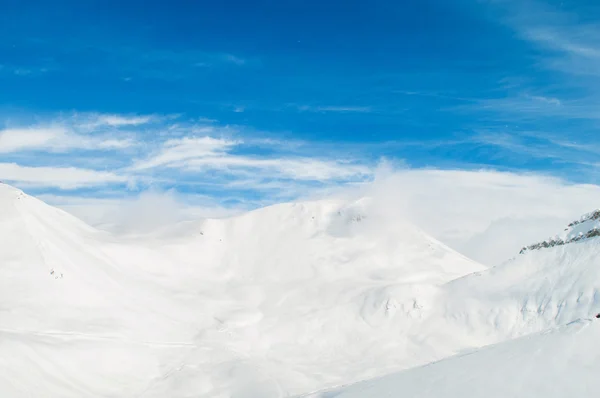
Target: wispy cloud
110, 149
84, 131
534, 146
565, 58
207, 153
16, 139
565, 38
179, 152
122, 120
55, 138
569, 38
59, 177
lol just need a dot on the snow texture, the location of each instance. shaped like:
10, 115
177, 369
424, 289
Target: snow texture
555, 364
277, 302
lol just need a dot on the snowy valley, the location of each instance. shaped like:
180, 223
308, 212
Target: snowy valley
289, 300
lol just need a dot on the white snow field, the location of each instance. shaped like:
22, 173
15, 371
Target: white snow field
281, 301
563, 362
550, 289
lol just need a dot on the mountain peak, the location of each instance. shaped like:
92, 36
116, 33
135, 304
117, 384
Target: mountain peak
6, 188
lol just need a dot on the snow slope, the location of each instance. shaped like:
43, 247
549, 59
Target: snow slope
564, 362
279, 301
72, 321
542, 289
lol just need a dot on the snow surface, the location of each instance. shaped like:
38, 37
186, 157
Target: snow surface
554, 290
560, 363
277, 302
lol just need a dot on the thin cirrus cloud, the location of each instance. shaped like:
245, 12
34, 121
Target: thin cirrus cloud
566, 44
208, 153
91, 132
564, 51
290, 168
55, 138
59, 177
85, 131
121, 120
579, 157
85, 150
571, 42
202, 153
178, 152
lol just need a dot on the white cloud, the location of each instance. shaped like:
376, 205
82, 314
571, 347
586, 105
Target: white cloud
200, 151
112, 143
487, 215
569, 38
208, 153
59, 177
121, 120
293, 168
177, 152
144, 213
66, 134
17, 139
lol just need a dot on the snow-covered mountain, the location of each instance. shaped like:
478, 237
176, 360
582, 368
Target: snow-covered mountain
278, 301
550, 292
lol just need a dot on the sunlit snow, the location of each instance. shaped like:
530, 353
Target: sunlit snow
284, 301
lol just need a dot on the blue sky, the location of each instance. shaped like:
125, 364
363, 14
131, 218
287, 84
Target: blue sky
247, 103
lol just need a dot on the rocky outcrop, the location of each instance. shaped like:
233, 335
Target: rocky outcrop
585, 228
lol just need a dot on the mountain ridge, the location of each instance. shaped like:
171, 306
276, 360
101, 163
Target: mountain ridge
587, 227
